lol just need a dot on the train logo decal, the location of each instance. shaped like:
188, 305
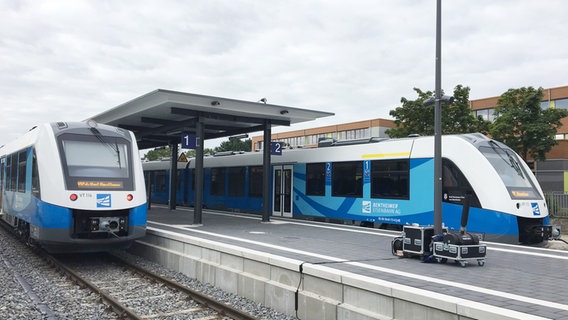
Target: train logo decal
366, 206
103, 200
535, 209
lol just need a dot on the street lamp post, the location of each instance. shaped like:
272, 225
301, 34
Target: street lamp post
438, 125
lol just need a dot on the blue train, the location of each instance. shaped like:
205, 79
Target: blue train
72, 187
383, 183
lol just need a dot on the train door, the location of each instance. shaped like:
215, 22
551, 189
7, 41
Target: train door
282, 191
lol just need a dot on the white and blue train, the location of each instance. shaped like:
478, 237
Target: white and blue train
385, 182
72, 187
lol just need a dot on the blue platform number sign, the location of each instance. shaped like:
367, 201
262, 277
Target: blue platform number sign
366, 171
276, 148
188, 141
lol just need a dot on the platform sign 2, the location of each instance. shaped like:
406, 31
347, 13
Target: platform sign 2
276, 148
188, 141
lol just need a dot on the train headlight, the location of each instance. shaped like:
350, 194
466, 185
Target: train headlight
129, 197
73, 197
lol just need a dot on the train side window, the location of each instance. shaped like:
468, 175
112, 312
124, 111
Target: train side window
8, 172
35, 177
390, 179
315, 179
347, 179
2, 184
14, 172
160, 181
22, 168
218, 181
455, 186
255, 182
237, 181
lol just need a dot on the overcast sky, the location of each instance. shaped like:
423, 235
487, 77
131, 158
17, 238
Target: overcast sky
69, 60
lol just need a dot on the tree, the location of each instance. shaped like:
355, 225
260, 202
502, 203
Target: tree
235, 145
523, 125
158, 153
415, 118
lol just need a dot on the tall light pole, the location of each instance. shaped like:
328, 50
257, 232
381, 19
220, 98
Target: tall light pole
438, 99
438, 125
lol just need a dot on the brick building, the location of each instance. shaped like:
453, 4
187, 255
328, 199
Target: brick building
552, 173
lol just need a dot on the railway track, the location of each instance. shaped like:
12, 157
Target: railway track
136, 293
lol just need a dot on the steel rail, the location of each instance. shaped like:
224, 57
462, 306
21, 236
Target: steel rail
220, 307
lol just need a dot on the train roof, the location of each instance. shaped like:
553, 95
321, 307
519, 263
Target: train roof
368, 148
32, 135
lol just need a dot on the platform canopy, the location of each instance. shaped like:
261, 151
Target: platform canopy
161, 117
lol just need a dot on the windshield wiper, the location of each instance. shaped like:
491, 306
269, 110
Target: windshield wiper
102, 140
510, 159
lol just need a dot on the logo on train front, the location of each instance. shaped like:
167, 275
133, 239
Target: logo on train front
103, 200
535, 209
366, 206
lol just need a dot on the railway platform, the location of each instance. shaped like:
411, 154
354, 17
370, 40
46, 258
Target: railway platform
318, 270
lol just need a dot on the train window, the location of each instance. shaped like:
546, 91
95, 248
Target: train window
255, 182
160, 181
237, 181
14, 172
35, 177
347, 179
218, 181
22, 165
96, 161
315, 179
455, 186
2, 168
390, 179
8, 171
514, 175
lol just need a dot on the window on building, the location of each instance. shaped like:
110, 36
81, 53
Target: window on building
217, 181
347, 179
486, 114
255, 182
561, 103
315, 179
390, 179
237, 181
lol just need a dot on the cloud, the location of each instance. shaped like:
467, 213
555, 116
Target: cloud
68, 60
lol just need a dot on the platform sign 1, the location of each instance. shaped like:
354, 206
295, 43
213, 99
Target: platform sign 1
366, 171
188, 141
276, 148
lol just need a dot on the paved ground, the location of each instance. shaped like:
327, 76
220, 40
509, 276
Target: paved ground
525, 279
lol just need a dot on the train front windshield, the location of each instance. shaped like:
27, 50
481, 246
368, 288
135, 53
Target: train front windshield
96, 162
514, 176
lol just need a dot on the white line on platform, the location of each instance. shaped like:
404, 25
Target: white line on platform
385, 270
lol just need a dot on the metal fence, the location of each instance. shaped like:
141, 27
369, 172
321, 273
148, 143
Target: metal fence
557, 204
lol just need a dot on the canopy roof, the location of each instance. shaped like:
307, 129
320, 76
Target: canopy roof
161, 117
